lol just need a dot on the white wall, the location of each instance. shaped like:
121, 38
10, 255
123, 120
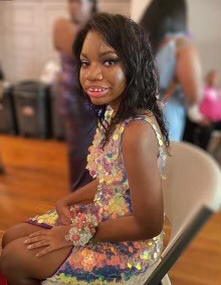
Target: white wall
137, 8
205, 25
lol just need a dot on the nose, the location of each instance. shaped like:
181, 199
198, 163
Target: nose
94, 72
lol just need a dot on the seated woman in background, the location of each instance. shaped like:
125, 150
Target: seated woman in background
109, 231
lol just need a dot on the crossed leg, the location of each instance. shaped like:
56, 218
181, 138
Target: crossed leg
20, 266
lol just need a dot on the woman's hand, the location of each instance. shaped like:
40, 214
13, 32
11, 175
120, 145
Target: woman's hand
63, 211
52, 239
85, 195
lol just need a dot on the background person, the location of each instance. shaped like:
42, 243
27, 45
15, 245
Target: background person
210, 108
177, 61
77, 115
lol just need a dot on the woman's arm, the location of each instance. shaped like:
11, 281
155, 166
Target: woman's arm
64, 34
189, 73
83, 195
140, 150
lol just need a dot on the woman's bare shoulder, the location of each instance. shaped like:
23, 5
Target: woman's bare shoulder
62, 21
140, 135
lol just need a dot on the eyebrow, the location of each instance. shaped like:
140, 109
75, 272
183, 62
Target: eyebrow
100, 54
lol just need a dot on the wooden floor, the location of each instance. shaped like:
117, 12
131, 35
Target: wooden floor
37, 175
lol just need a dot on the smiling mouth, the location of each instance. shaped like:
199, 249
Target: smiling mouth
97, 92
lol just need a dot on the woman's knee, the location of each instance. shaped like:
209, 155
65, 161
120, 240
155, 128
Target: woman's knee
12, 234
18, 231
8, 237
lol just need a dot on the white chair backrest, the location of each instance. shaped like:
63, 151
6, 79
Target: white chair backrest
192, 192
193, 181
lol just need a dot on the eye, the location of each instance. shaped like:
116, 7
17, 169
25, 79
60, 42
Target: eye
84, 63
111, 61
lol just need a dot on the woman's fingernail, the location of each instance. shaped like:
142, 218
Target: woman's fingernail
37, 255
29, 247
25, 241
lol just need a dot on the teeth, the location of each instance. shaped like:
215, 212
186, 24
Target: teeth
96, 89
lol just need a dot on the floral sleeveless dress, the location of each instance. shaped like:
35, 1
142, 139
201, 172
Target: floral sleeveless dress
109, 263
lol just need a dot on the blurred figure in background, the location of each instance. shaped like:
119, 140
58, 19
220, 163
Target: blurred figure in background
177, 60
78, 117
210, 108
211, 104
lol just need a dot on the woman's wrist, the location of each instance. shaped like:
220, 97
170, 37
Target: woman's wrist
82, 229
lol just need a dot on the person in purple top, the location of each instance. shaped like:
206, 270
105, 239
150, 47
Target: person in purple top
78, 117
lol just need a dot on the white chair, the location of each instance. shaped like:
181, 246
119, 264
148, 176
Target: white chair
192, 193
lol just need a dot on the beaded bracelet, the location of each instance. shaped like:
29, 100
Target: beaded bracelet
83, 229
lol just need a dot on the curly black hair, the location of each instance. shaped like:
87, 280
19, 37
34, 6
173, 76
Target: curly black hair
131, 44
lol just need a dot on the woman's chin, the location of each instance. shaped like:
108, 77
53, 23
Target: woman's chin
98, 102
